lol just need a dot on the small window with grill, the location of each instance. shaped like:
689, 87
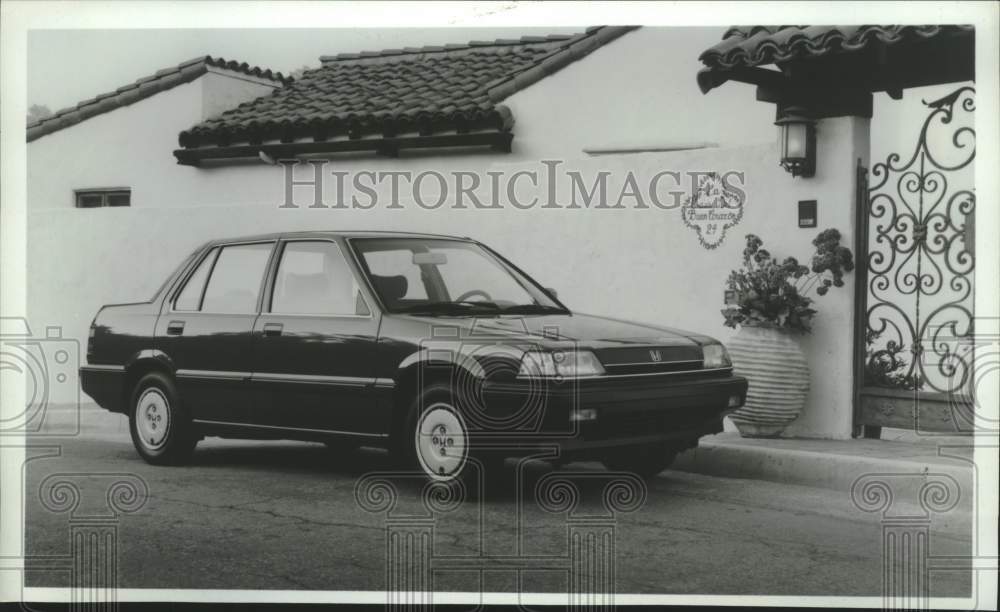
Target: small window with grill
98, 198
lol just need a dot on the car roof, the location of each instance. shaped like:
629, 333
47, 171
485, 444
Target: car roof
334, 233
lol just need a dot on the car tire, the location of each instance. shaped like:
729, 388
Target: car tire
645, 461
435, 439
161, 429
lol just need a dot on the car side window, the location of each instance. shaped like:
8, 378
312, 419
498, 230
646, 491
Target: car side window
190, 296
314, 278
236, 279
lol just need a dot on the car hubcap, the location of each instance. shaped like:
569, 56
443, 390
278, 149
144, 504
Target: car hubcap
441, 442
152, 418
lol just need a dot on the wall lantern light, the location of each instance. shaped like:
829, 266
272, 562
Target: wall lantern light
797, 142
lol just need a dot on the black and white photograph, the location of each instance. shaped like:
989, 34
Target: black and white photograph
545, 304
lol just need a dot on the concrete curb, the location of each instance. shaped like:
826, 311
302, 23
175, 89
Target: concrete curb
834, 464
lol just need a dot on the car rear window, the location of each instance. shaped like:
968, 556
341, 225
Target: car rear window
236, 279
190, 296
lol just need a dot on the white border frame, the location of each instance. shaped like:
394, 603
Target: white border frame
18, 17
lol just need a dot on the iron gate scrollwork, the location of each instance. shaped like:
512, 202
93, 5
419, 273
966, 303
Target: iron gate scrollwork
921, 255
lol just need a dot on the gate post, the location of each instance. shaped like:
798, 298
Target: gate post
860, 301
842, 143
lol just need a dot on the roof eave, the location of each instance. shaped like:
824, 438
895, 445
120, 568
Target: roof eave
868, 66
499, 141
146, 87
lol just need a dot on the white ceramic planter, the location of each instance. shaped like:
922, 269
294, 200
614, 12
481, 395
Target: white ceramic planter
778, 376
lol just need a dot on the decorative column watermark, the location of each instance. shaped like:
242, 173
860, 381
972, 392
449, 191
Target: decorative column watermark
590, 560
907, 560
92, 560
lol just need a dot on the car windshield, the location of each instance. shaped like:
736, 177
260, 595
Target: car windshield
441, 276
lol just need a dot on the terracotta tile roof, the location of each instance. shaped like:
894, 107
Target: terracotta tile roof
750, 47
426, 90
142, 89
761, 45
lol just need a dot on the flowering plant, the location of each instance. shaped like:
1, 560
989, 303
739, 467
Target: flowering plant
769, 293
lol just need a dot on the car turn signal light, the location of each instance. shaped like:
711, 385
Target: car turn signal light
716, 356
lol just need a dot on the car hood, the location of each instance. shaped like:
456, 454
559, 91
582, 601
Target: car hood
582, 330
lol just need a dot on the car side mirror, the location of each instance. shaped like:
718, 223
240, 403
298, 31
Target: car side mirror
552, 292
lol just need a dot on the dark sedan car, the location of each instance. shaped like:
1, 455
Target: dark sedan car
434, 347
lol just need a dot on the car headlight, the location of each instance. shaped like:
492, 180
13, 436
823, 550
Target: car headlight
565, 364
716, 356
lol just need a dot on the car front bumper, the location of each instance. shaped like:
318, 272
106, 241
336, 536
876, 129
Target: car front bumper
616, 411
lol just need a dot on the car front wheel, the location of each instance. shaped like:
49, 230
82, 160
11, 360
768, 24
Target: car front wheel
646, 461
161, 431
435, 439
441, 441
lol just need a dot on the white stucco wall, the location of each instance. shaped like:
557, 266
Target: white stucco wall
222, 90
639, 264
639, 89
128, 147
131, 146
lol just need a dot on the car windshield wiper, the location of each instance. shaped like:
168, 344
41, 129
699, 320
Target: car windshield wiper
532, 309
449, 307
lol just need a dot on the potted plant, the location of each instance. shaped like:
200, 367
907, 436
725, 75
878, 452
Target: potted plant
768, 301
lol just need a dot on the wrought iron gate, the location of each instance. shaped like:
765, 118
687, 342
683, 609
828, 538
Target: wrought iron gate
915, 323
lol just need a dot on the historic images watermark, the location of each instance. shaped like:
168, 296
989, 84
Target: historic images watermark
551, 186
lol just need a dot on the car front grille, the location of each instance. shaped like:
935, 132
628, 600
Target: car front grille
651, 359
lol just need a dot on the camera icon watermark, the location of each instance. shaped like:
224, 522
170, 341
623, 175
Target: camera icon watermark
45, 364
506, 377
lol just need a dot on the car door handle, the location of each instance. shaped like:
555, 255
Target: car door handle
272, 329
175, 328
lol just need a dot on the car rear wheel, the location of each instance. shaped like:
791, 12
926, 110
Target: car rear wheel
161, 430
646, 461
